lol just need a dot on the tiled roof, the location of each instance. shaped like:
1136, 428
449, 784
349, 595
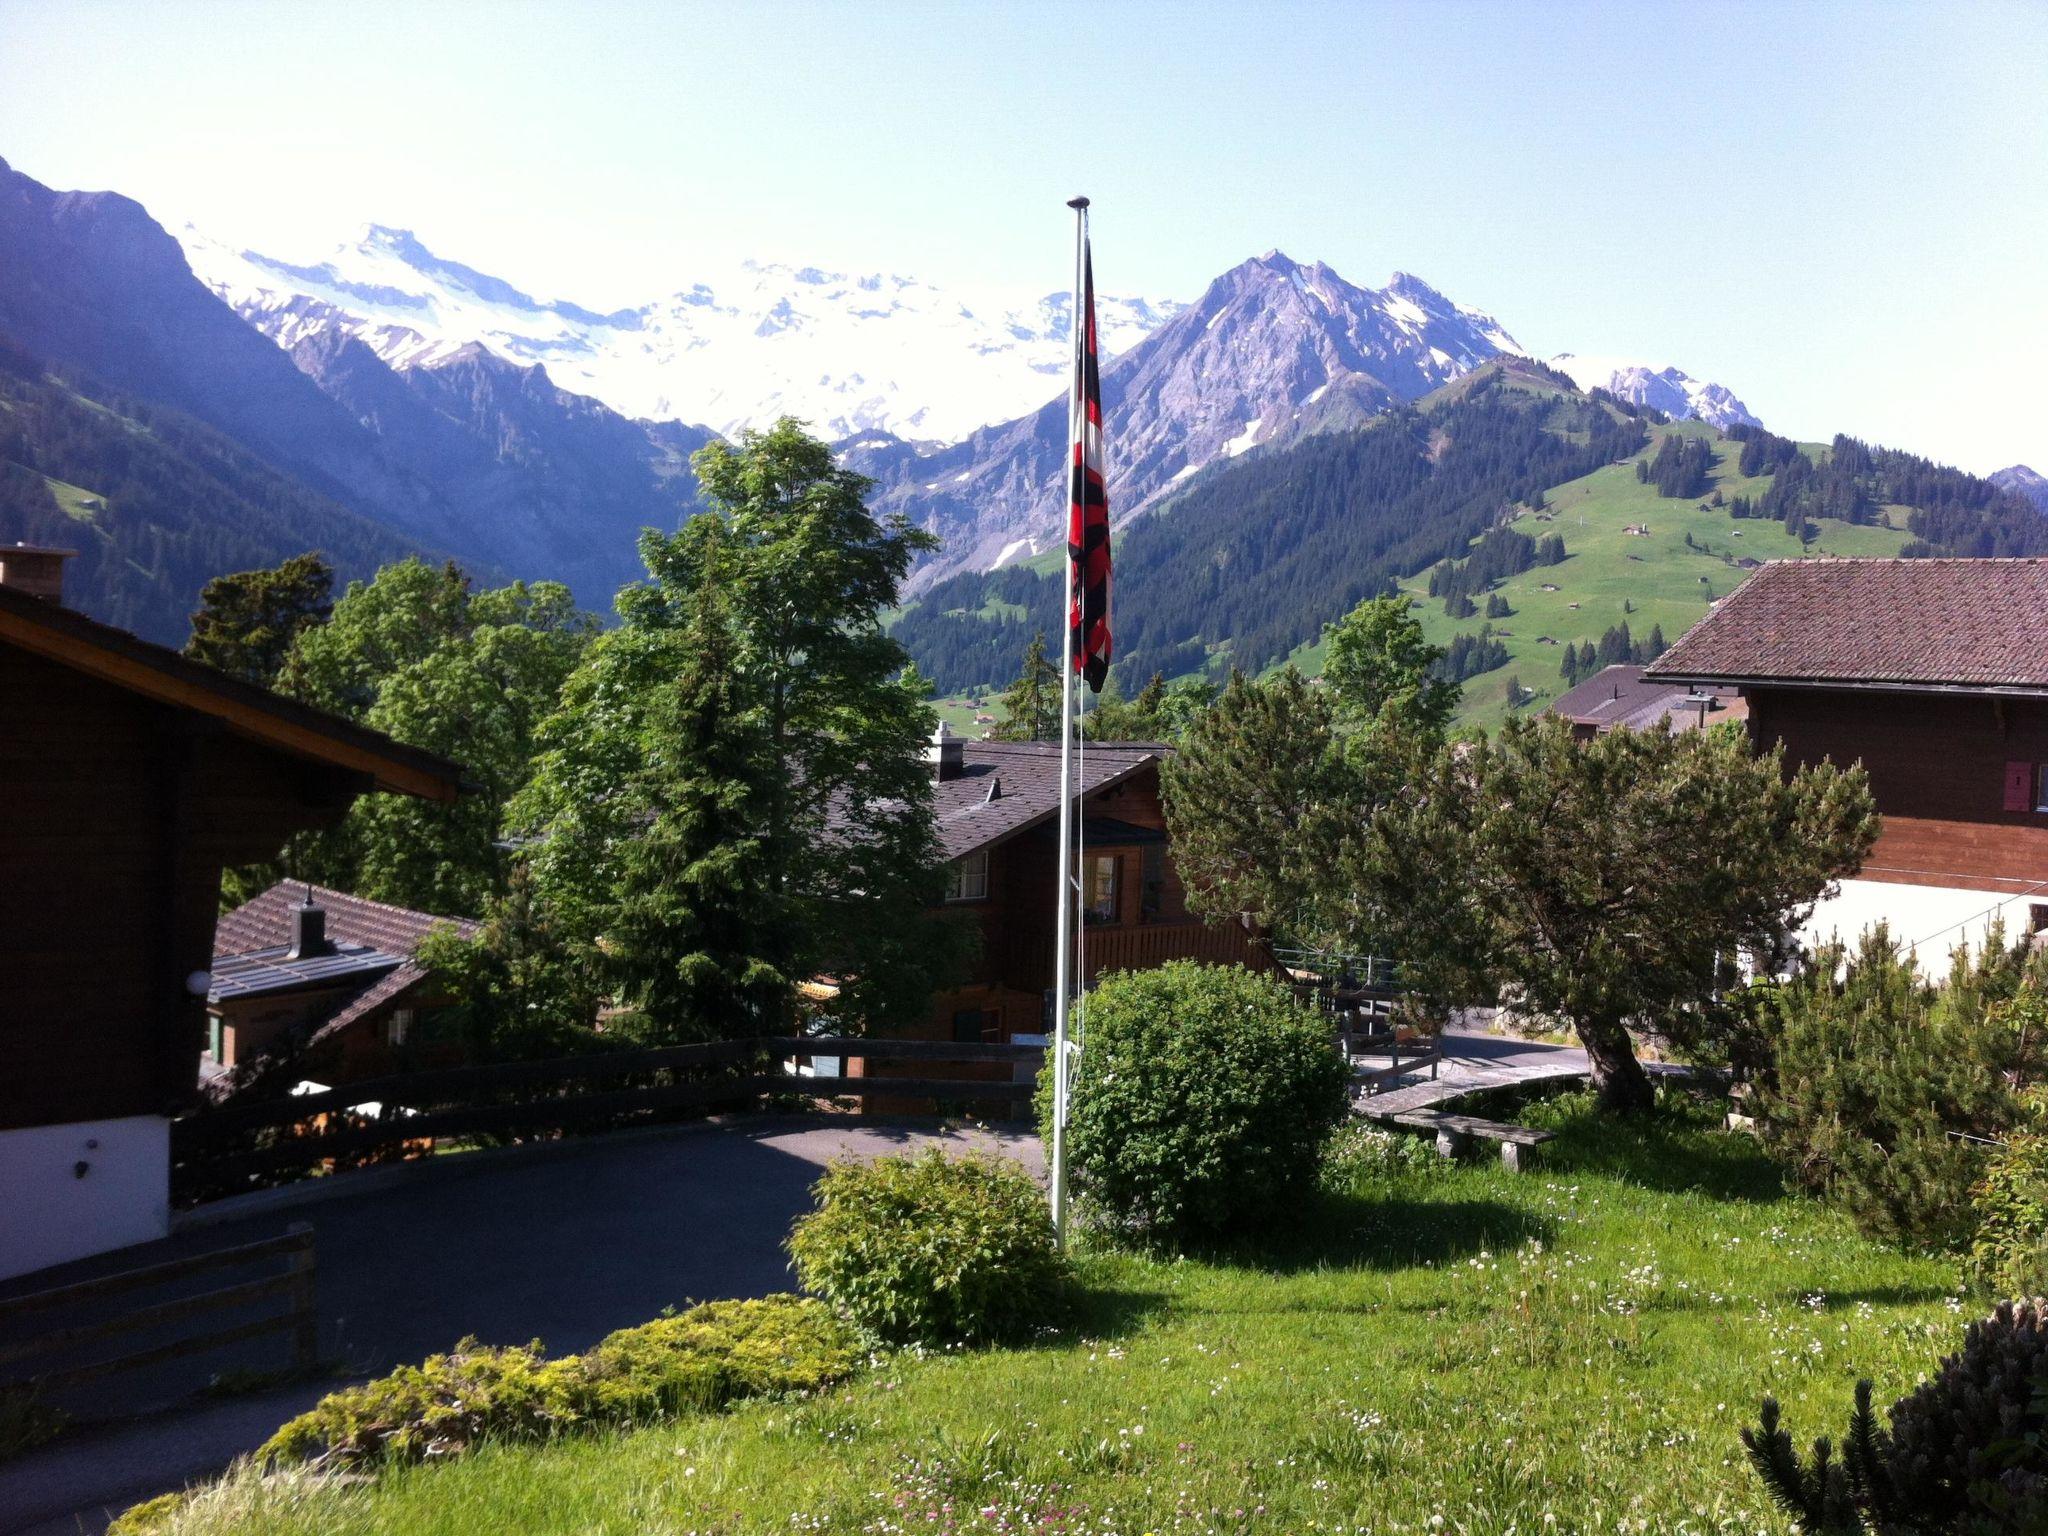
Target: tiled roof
266, 922
1886, 623
1028, 776
1621, 695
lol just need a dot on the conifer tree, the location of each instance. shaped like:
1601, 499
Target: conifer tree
1031, 704
247, 621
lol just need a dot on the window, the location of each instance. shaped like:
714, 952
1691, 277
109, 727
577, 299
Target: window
1098, 889
216, 1044
972, 1026
2041, 787
1153, 881
2037, 917
967, 879
398, 1026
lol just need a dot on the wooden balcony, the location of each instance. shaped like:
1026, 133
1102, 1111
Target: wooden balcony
1140, 947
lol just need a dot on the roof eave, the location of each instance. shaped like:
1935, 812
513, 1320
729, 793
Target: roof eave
1857, 685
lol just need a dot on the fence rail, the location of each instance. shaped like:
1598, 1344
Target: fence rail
294, 1284
240, 1146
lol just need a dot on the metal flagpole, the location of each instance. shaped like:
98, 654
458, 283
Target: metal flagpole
1063, 931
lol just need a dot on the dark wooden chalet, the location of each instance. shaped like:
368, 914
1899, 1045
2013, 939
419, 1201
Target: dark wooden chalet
131, 777
329, 982
1933, 674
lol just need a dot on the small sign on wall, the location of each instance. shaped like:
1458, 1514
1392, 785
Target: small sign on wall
2019, 786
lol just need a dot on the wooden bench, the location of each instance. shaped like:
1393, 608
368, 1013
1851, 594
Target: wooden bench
1517, 1142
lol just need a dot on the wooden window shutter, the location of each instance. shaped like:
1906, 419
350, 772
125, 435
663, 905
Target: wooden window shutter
2019, 786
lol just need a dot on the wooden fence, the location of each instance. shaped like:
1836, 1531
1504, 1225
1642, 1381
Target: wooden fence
294, 1285
240, 1146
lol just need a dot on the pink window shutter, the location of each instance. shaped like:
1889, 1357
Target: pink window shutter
2019, 786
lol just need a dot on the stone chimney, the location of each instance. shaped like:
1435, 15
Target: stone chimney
947, 754
35, 570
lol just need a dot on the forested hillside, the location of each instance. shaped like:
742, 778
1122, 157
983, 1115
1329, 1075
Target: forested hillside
1253, 558
154, 502
1541, 532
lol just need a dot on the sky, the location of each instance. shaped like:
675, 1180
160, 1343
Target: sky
1839, 211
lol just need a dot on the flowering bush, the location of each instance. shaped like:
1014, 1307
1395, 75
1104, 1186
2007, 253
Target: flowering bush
1358, 1153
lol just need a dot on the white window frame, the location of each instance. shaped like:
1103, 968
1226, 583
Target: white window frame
967, 877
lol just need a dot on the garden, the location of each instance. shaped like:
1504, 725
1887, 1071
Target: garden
1311, 1326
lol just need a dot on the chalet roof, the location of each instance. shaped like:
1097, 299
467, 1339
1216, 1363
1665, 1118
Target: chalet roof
374, 944
69, 638
1621, 695
1028, 773
1974, 625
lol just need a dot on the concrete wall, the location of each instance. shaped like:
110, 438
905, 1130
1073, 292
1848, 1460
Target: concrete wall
50, 1212
1931, 920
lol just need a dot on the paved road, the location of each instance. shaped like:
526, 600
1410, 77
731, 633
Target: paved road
564, 1247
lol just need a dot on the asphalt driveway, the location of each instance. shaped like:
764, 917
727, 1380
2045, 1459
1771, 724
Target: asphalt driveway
564, 1245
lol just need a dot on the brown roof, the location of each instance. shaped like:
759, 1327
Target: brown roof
1906, 624
1028, 773
113, 655
378, 930
1621, 695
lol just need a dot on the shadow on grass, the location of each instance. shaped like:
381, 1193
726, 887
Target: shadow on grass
1679, 1148
1391, 1232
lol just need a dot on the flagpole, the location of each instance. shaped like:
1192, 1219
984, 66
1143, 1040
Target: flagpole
1063, 930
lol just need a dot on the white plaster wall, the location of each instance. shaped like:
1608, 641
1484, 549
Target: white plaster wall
1930, 920
50, 1213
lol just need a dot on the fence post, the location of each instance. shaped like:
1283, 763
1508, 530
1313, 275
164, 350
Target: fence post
305, 1320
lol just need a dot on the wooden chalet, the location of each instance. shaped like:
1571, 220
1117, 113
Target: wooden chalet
998, 812
1620, 697
328, 981
1933, 674
131, 776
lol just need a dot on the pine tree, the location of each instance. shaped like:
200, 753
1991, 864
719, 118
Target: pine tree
1031, 704
1497, 607
247, 620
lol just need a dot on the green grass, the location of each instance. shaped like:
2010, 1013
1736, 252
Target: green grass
1456, 1350
1663, 580
77, 502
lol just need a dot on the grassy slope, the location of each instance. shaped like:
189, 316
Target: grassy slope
1657, 574
1569, 1351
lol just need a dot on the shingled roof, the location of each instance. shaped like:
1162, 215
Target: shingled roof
1025, 776
1621, 695
1978, 625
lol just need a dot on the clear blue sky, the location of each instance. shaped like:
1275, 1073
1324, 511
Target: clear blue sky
1839, 211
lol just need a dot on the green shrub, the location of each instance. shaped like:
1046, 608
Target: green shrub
1358, 1153
26, 1421
2010, 1254
1202, 1101
1871, 1071
932, 1250
699, 1360
1966, 1452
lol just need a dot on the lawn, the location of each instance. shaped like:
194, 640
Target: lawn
1448, 1349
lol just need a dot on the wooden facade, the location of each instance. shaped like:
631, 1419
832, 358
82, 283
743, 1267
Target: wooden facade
1961, 780
130, 779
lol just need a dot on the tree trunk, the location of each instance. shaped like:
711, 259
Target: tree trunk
1619, 1079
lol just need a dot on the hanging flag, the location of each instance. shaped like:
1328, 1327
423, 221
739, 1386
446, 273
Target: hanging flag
1088, 512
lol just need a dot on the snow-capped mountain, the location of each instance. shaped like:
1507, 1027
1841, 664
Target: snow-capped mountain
1671, 390
2023, 480
1274, 350
848, 353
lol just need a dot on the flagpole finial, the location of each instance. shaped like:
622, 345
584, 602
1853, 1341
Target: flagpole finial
1077, 202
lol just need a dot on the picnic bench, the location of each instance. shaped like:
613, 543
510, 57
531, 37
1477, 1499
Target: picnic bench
1517, 1142
1404, 1057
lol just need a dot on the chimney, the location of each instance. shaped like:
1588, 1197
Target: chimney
947, 754
33, 569
309, 930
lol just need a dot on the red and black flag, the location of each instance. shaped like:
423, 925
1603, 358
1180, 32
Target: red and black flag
1088, 509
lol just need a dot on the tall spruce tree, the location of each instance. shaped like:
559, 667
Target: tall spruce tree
1031, 704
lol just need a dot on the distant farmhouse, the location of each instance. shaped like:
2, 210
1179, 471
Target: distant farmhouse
1934, 675
328, 981
132, 776
1621, 696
